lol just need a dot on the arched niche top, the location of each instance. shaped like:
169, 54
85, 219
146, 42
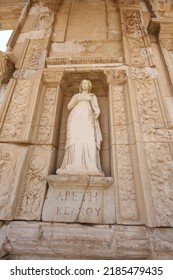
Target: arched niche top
71, 80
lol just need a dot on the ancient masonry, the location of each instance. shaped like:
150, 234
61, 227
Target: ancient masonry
125, 47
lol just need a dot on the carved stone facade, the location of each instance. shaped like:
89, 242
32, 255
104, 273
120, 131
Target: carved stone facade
125, 49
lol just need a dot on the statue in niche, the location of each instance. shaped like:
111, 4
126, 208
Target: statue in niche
83, 138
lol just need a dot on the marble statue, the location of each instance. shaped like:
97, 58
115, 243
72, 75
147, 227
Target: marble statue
83, 137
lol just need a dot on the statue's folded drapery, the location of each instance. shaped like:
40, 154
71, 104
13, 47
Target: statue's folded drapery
83, 137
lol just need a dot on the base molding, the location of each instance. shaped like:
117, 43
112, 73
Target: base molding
41, 240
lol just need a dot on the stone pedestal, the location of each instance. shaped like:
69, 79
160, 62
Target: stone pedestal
79, 199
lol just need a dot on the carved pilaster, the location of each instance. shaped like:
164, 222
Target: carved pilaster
20, 111
7, 66
39, 163
149, 112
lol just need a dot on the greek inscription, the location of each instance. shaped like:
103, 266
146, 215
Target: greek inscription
76, 211
91, 196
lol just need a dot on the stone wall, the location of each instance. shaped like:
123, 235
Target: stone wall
125, 49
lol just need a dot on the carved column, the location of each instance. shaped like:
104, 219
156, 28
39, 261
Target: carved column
151, 159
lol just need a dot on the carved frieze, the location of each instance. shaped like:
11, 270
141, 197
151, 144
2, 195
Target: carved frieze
87, 51
82, 60
33, 186
7, 66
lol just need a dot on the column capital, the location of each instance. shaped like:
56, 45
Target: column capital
7, 66
118, 76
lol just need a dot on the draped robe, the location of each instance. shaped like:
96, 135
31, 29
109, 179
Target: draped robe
83, 138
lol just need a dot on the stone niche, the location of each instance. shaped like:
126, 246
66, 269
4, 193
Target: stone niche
75, 198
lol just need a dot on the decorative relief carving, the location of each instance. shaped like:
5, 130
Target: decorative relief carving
159, 7
82, 60
52, 5
161, 246
116, 75
128, 2
33, 186
127, 191
46, 124
125, 174
11, 161
158, 155
24, 74
5, 167
36, 54
52, 77
87, 51
7, 67
140, 54
34, 35
119, 108
144, 73
41, 27
148, 106
44, 21
15, 118
160, 168
132, 23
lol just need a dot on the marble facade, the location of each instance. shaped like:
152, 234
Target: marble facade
124, 47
